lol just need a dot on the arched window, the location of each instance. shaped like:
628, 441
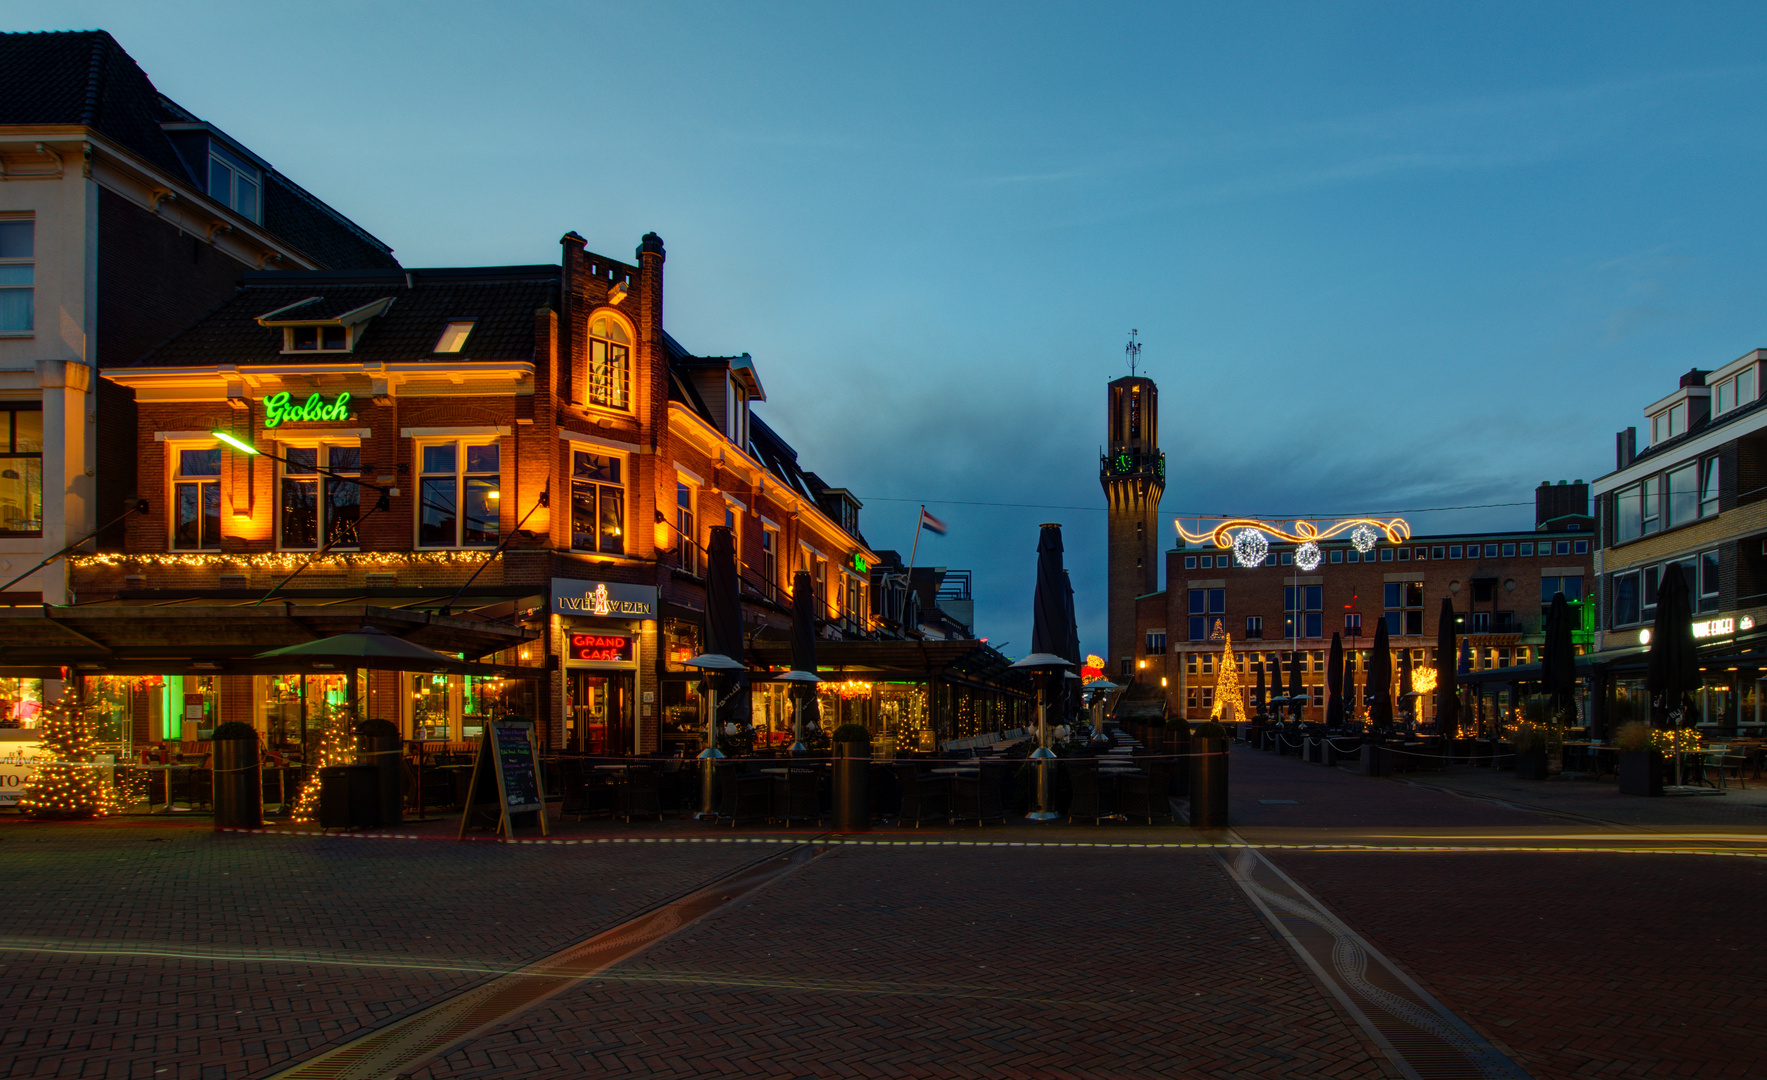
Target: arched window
610, 363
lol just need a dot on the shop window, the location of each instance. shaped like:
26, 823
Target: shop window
687, 540
598, 503
196, 499
610, 363
18, 246
21, 702
21, 469
458, 494
320, 497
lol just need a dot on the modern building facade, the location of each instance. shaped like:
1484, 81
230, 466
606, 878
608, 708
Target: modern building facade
123, 217
1500, 583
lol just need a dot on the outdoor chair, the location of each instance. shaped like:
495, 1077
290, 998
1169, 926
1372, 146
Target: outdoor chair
637, 793
1090, 799
1719, 767
924, 798
745, 796
797, 796
979, 798
1148, 796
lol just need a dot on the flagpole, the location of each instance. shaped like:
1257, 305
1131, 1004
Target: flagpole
916, 549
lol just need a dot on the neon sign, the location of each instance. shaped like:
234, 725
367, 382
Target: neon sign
279, 409
601, 647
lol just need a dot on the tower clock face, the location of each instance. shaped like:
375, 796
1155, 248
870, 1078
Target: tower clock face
1159, 466
1123, 462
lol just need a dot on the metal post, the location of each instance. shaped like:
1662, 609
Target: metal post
1043, 756
711, 755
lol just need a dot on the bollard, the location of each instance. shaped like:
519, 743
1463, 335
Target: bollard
852, 776
238, 778
1208, 777
378, 744
1374, 759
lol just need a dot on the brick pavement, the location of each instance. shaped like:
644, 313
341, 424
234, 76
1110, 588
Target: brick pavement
229, 953
960, 962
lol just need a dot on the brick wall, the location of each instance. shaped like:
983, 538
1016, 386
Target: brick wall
153, 280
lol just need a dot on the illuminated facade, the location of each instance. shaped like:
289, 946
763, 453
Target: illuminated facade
525, 445
1133, 474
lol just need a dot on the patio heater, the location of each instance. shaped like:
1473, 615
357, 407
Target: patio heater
708, 663
803, 684
1043, 667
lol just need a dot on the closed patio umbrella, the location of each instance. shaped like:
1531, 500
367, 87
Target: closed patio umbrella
724, 617
1407, 695
1050, 622
1297, 698
1258, 694
1674, 670
1380, 680
1334, 683
806, 710
1447, 685
1558, 659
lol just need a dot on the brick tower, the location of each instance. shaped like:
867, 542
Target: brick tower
1133, 472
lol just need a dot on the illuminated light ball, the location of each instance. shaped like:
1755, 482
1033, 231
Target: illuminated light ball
1250, 547
1364, 538
1308, 556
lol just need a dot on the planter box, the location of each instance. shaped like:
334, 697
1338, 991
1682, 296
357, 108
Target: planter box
1641, 773
1531, 765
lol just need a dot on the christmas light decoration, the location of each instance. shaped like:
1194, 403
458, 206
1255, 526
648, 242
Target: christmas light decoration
1227, 692
1423, 679
1369, 530
69, 781
286, 560
1308, 556
1249, 547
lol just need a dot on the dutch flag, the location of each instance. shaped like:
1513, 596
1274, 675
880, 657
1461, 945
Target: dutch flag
931, 523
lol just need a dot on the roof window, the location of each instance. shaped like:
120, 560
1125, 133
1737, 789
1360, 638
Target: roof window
317, 339
453, 337
235, 183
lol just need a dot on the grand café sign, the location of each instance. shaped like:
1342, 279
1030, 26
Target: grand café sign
603, 599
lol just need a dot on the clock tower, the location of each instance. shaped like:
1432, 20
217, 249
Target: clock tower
1133, 472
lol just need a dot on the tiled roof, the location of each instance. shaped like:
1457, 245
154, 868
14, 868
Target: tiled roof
499, 300
85, 78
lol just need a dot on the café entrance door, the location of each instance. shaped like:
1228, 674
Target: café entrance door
598, 712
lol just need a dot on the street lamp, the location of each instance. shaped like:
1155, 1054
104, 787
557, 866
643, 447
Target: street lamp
803, 684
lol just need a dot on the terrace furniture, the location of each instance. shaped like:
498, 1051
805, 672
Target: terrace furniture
637, 793
745, 796
1724, 765
978, 796
924, 797
797, 795
1147, 795
1093, 796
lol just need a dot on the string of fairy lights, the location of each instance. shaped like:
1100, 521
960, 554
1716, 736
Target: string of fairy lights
284, 560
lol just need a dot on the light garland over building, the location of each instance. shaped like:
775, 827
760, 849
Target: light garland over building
286, 560
1249, 538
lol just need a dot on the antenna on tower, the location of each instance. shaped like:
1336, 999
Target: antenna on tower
1133, 352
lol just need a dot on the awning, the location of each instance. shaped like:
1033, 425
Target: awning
159, 639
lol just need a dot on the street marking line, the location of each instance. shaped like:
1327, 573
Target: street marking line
1418, 1034
428, 1033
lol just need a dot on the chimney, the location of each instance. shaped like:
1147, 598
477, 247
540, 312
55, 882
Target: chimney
1625, 447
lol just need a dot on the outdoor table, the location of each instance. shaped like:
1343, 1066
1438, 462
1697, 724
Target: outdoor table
187, 770
613, 768
957, 770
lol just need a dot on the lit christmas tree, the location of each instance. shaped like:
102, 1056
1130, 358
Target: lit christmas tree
1228, 703
69, 783
336, 747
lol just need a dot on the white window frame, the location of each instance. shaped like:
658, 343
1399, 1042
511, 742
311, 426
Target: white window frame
288, 345
29, 288
461, 444
236, 167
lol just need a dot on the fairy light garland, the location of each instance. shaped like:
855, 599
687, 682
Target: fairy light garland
70, 783
285, 560
1249, 538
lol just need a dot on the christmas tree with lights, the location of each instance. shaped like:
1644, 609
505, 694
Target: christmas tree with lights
68, 783
336, 747
1228, 696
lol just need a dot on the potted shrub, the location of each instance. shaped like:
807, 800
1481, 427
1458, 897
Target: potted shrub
1533, 745
1641, 763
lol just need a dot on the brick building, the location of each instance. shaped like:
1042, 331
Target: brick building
547, 452
1500, 584
1132, 471
123, 217
1692, 498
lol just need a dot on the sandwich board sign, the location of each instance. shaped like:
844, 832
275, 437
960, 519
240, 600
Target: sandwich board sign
505, 779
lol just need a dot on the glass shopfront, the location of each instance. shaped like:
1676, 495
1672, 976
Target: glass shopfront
21, 700
600, 629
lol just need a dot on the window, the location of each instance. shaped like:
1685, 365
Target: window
688, 539
1666, 425
1156, 643
1190, 663
316, 339
1198, 629
1681, 495
1337, 555
1403, 604
1571, 585
1208, 660
453, 337
1217, 601
1628, 515
1352, 555
1509, 551
1528, 549
1404, 554
1288, 558
196, 499
1208, 693
1581, 546
1710, 585
610, 363
1454, 551
598, 503
1303, 606
770, 557
1734, 392
1353, 622
458, 494
1490, 551
21, 469
1709, 486
1254, 626
305, 515
1190, 562
1439, 552
234, 183
1386, 554
1191, 698
18, 245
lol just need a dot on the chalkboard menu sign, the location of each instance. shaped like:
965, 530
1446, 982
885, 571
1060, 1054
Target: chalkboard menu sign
505, 779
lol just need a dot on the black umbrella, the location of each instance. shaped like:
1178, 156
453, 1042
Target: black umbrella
1558, 659
1447, 685
1674, 669
1049, 611
1070, 687
1258, 694
1296, 696
1407, 695
724, 617
1334, 683
803, 645
1380, 680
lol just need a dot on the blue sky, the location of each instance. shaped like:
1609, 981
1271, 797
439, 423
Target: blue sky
1383, 257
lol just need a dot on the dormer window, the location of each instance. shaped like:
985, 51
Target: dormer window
316, 339
235, 183
453, 337
1734, 392
1668, 423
